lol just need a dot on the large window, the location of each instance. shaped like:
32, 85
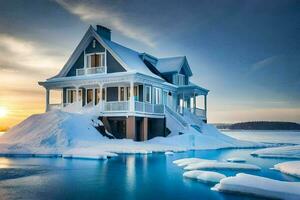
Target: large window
148, 94
156, 95
95, 60
71, 95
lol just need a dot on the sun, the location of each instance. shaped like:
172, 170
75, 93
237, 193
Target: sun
3, 111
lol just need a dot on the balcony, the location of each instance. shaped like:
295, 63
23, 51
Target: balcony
90, 70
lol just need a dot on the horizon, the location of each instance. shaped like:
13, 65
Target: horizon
246, 53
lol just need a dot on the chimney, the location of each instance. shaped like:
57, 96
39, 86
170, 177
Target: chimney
104, 32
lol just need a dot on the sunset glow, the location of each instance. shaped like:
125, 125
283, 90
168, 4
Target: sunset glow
3, 112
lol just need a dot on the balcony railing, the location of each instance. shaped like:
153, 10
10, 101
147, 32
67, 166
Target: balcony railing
148, 108
90, 70
116, 106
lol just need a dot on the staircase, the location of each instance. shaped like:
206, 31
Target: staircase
178, 123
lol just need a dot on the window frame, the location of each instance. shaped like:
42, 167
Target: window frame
88, 63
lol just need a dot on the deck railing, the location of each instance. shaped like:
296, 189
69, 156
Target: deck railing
116, 106
90, 70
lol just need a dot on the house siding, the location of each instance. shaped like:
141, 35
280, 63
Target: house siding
77, 65
91, 49
113, 65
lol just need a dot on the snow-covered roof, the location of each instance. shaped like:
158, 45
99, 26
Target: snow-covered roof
131, 58
172, 64
128, 58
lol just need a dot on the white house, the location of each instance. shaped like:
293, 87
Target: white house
131, 91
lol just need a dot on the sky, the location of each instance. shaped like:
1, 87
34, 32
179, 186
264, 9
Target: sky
247, 53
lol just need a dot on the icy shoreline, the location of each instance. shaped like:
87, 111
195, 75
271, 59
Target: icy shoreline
74, 134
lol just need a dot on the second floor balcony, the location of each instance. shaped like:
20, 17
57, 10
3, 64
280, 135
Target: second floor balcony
90, 70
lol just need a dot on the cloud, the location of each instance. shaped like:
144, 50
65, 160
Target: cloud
20, 55
93, 13
267, 62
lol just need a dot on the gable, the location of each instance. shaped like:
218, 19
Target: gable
119, 58
95, 47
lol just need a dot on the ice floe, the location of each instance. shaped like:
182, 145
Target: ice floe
278, 152
221, 165
204, 176
291, 168
259, 186
235, 159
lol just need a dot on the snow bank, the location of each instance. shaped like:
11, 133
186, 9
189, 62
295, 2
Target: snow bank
236, 160
210, 138
279, 152
291, 168
259, 186
74, 133
220, 165
204, 176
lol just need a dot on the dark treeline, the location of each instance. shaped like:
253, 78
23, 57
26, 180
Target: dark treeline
265, 125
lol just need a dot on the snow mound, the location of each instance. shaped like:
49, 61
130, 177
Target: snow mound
187, 161
259, 186
278, 152
220, 165
236, 160
71, 131
204, 176
209, 138
291, 168
55, 129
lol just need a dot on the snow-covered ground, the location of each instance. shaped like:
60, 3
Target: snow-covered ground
291, 168
74, 134
259, 186
278, 152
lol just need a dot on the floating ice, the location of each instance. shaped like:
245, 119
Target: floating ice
259, 186
290, 167
204, 176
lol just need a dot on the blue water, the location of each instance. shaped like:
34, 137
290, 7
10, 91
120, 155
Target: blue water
152, 176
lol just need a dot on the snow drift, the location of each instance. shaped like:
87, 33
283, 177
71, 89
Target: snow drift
59, 132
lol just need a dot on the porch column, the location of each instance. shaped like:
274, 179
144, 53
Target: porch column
47, 99
100, 97
131, 103
194, 102
205, 105
77, 97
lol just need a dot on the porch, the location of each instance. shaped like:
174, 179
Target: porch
110, 98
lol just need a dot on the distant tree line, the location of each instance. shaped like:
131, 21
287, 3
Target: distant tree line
263, 125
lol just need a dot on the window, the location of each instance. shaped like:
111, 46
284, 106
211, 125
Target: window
122, 93
156, 95
148, 94
96, 60
179, 79
103, 94
71, 95
89, 96
97, 96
